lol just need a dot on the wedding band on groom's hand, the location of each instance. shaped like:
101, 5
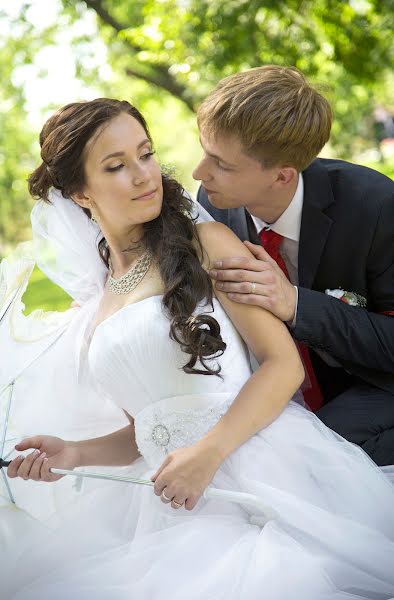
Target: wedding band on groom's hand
253, 290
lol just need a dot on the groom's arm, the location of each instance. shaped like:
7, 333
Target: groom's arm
352, 335
358, 336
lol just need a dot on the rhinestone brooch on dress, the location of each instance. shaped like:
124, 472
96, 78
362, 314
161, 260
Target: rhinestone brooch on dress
132, 278
160, 435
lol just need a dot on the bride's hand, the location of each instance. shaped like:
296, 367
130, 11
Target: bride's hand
184, 475
50, 452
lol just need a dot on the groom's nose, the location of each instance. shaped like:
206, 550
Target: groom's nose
196, 172
201, 172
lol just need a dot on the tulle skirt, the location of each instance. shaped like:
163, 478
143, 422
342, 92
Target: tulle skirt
331, 536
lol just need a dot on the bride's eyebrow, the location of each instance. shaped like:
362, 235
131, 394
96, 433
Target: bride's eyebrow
112, 155
121, 153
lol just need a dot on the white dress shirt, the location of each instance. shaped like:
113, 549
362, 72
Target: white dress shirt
288, 225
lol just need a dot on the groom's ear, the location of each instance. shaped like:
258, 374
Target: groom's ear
286, 176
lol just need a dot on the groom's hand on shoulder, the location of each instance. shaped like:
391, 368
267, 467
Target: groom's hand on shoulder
259, 281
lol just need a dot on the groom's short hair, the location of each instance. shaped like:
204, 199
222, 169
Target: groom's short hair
277, 116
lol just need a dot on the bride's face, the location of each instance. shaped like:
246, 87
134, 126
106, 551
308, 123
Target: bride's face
123, 179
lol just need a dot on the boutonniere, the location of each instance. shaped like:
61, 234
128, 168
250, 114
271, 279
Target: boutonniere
351, 298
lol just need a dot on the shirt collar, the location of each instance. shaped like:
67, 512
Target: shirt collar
289, 223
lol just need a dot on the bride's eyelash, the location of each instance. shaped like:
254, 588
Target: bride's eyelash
149, 154
144, 156
117, 168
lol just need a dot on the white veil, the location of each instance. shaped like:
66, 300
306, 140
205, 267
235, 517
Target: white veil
66, 247
41, 390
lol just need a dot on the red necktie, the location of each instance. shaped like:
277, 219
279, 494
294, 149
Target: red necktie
271, 242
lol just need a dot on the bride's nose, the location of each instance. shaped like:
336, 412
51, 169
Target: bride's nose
140, 175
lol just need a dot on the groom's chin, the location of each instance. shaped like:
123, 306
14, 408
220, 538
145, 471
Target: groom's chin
218, 200
215, 198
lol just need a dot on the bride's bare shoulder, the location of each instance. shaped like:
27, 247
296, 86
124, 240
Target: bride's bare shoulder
218, 241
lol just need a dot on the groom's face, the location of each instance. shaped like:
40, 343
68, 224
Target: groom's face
232, 178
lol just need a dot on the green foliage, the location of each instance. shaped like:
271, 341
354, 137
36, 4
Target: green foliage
385, 168
15, 147
166, 55
345, 47
42, 293
16, 163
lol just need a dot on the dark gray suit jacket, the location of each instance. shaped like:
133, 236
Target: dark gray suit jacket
346, 241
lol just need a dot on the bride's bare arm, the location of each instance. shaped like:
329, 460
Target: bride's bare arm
115, 449
186, 472
269, 389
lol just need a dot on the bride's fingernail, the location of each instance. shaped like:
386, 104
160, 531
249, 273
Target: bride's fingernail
43, 455
36, 452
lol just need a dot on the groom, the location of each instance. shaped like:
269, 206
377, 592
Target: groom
327, 227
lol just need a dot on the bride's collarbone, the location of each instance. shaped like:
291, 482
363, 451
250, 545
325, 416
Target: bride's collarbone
111, 303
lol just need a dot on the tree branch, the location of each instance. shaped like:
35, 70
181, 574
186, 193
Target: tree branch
97, 6
161, 77
169, 86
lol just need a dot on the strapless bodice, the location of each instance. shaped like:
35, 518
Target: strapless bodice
134, 362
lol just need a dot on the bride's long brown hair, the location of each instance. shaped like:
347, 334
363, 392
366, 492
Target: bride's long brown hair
169, 237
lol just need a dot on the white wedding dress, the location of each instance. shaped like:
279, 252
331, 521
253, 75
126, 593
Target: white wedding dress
330, 533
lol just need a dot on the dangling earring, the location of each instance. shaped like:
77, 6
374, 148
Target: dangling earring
93, 217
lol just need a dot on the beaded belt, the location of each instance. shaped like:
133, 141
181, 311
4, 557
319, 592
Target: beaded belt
177, 422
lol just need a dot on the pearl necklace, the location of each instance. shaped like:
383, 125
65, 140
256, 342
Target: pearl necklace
132, 278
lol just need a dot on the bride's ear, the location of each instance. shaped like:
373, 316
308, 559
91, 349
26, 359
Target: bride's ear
81, 199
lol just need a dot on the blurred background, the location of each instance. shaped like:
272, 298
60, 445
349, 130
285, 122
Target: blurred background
165, 56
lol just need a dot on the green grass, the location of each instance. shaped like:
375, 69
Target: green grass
42, 293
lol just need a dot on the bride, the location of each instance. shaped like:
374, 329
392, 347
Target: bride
150, 338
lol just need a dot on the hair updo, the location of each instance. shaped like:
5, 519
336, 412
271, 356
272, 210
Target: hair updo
169, 237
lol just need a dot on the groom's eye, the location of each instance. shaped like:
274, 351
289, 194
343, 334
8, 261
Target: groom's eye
112, 169
223, 167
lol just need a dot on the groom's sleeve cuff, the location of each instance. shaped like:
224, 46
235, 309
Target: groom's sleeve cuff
293, 322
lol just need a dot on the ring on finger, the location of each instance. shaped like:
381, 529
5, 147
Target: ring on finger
176, 504
163, 495
253, 290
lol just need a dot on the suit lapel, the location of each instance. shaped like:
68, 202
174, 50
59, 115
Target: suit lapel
253, 236
238, 223
315, 224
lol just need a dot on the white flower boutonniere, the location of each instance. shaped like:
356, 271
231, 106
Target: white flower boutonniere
351, 298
